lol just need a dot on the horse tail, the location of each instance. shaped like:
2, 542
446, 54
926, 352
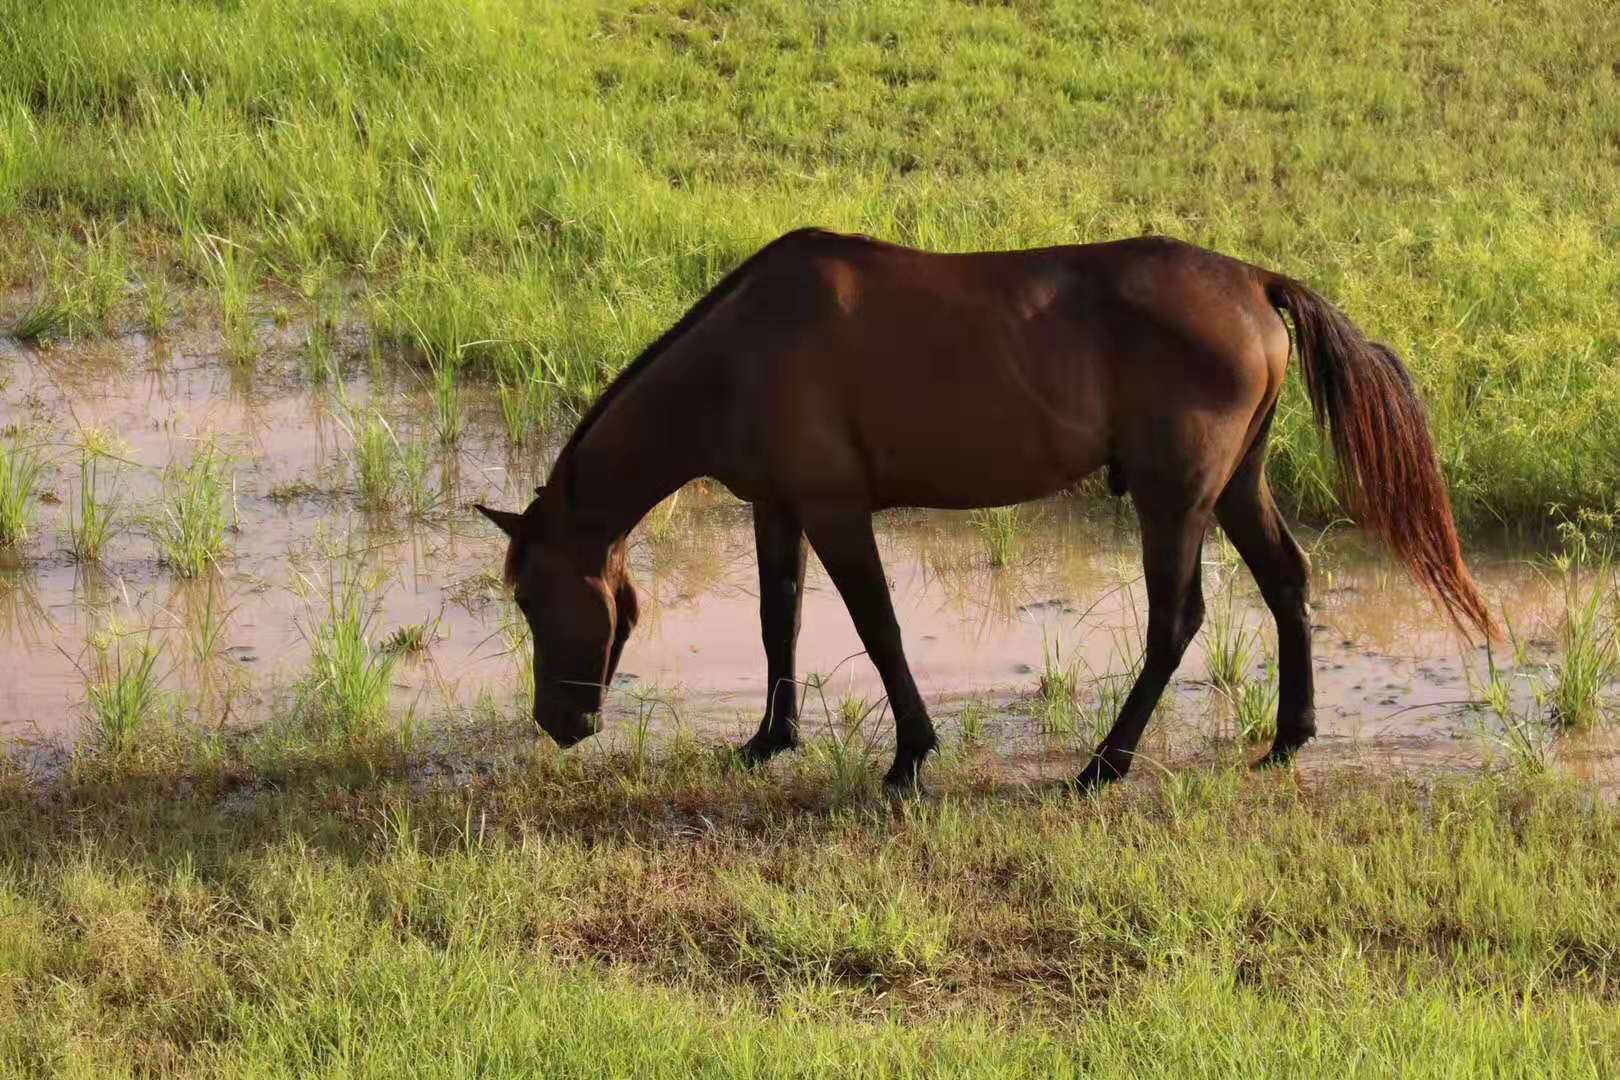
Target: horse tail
1361, 391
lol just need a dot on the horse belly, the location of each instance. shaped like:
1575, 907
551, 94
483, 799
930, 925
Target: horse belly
987, 453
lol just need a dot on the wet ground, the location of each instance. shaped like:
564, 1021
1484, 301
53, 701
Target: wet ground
1392, 679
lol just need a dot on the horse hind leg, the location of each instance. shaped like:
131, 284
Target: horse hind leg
1250, 518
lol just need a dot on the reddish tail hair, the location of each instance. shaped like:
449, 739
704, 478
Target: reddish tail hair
1360, 390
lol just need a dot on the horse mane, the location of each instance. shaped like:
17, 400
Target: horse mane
694, 315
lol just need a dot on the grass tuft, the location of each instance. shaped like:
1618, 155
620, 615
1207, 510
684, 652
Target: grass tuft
1588, 664
124, 690
1522, 734
1230, 645
844, 756
20, 468
157, 303
376, 463
1254, 704
93, 522
345, 692
411, 639
1057, 696
999, 526
972, 718
445, 389
525, 401
1582, 680
198, 499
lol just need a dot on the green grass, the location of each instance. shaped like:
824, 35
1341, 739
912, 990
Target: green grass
377, 472
157, 304
1582, 678
999, 526
840, 740
420, 500
79, 288
586, 916
123, 693
1069, 703
319, 359
93, 522
345, 692
449, 408
390, 474
202, 618
1057, 695
517, 638
971, 718
1230, 645
1254, 705
198, 500
1522, 734
511, 190
20, 468
525, 402
662, 524
322, 309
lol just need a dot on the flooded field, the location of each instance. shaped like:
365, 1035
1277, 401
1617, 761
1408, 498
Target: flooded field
347, 485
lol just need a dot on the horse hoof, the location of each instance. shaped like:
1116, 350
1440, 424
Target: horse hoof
904, 787
1279, 755
758, 750
1096, 775
904, 779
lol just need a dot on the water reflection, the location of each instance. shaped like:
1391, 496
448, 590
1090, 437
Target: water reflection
24, 619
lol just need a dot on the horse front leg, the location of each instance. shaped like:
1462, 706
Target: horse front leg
848, 550
779, 544
1171, 546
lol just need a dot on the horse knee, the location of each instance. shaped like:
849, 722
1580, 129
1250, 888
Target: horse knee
1167, 639
1294, 598
1192, 617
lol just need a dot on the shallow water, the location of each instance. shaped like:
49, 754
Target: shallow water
1391, 676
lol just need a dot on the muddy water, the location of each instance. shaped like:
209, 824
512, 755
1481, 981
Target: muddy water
1391, 676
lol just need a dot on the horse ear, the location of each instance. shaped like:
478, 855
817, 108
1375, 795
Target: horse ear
511, 524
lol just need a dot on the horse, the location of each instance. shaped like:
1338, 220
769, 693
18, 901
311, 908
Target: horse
830, 376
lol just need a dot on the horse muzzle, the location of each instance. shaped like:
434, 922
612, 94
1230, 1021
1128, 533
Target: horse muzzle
566, 729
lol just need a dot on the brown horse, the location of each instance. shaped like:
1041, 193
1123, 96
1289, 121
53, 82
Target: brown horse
832, 376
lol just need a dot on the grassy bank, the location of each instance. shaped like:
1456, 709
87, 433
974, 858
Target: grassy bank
534, 190
591, 917
588, 917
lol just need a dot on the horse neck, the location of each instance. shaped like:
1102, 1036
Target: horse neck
640, 450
